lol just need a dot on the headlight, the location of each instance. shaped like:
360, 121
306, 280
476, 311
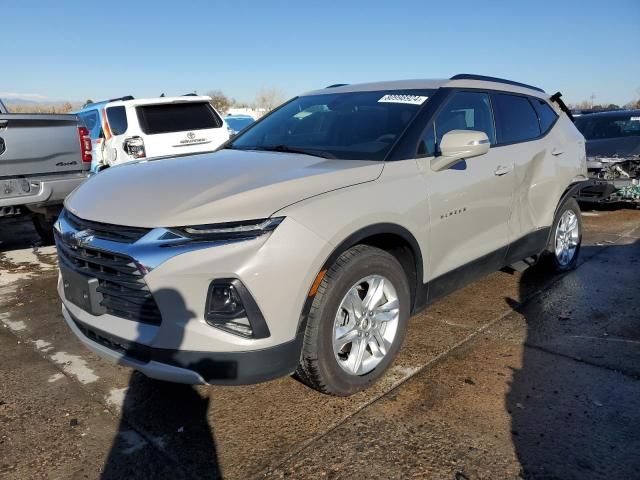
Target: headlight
230, 230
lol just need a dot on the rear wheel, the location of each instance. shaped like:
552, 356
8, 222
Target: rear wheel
566, 238
357, 322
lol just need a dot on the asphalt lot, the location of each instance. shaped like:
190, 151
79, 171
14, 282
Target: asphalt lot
517, 375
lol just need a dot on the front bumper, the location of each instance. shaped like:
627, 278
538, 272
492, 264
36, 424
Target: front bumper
276, 270
602, 192
595, 192
179, 366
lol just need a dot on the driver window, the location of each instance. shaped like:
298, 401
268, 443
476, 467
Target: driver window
463, 111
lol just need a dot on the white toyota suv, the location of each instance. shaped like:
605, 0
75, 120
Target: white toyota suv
305, 244
126, 129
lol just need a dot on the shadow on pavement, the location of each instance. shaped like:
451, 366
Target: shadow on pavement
575, 403
166, 421
17, 233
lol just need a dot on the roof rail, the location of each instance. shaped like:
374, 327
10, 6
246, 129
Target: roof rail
126, 97
469, 76
337, 85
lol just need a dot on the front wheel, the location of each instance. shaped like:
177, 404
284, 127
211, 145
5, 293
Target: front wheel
357, 322
566, 238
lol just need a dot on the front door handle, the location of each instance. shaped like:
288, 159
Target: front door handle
502, 170
556, 151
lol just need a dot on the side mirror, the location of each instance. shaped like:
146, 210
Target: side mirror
458, 144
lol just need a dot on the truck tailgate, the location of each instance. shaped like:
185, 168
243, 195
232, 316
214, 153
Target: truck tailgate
35, 144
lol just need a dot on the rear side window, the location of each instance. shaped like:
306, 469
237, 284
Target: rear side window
117, 118
516, 120
546, 115
177, 117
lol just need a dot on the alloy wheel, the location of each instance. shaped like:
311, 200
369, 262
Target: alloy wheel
365, 325
567, 237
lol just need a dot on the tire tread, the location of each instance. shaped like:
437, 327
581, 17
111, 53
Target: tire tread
308, 371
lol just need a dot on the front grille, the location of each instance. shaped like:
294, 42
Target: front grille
116, 233
125, 293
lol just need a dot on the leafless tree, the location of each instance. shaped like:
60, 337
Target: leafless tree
219, 101
269, 98
64, 107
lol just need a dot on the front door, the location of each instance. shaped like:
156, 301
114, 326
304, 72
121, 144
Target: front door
470, 203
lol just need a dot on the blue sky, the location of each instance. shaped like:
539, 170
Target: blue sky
78, 50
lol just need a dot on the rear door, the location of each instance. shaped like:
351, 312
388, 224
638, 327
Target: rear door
180, 127
36, 144
521, 124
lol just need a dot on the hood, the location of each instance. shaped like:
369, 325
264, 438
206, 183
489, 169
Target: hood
225, 186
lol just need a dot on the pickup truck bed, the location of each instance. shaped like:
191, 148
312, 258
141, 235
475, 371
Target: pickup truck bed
40, 164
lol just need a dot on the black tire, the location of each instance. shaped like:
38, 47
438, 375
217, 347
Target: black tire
44, 227
550, 260
318, 366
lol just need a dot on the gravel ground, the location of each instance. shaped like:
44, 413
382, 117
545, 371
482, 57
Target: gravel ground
515, 376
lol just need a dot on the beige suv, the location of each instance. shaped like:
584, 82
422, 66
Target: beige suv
305, 244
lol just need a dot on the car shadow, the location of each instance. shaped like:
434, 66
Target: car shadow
18, 233
164, 430
575, 401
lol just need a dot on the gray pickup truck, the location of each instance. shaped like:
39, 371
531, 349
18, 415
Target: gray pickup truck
43, 158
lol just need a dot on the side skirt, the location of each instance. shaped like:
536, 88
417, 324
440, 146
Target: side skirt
530, 245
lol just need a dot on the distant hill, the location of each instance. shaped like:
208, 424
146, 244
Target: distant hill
35, 103
20, 101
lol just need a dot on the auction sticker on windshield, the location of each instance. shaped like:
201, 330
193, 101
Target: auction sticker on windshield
410, 99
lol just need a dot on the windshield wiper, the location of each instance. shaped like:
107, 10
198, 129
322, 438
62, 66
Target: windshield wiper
288, 149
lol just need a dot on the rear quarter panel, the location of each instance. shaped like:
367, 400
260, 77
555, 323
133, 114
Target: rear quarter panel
542, 178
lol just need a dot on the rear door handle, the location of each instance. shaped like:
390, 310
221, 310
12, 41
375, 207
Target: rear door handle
4, 123
502, 170
556, 151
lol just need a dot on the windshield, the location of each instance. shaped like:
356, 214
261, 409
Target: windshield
353, 125
609, 126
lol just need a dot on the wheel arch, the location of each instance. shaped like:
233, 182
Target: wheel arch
571, 191
391, 237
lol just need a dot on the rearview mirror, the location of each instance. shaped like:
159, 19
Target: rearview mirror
458, 144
